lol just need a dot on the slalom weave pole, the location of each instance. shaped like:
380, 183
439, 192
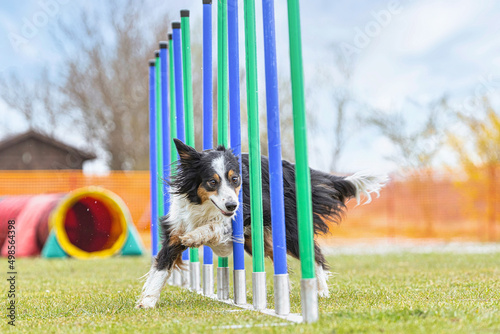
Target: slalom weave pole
171, 85
159, 139
240, 293
177, 278
152, 157
309, 287
165, 128
222, 120
208, 262
194, 265
179, 111
281, 289
259, 273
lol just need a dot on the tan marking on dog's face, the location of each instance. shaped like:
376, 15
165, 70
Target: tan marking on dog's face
217, 177
230, 175
204, 194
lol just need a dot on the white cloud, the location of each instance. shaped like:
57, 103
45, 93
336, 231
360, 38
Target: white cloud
430, 23
432, 48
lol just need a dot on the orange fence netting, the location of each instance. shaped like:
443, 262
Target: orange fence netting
421, 205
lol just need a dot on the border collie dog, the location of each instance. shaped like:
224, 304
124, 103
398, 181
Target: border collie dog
204, 200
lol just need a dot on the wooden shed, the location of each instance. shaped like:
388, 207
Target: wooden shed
35, 151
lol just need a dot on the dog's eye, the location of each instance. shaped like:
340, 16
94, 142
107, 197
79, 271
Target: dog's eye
212, 183
235, 179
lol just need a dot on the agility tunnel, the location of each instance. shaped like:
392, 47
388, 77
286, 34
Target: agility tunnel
89, 222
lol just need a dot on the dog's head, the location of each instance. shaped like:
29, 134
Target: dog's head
211, 175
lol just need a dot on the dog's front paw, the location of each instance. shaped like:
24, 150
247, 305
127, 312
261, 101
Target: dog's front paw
146, 302
190, 240
323, 293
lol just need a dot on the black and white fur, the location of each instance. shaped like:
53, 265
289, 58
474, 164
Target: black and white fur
205, 198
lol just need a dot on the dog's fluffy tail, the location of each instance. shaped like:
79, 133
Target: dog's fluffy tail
366, 184
330, 193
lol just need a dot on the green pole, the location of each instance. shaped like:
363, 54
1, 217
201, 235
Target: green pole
188, 96
303, 178
159, 144
254, 138
222, 86
171, 85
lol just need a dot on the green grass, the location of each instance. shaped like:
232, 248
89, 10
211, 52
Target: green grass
404, 293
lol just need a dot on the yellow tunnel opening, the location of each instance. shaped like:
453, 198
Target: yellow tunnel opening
91, 223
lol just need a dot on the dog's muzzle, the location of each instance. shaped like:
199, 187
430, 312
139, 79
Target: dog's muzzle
229, 206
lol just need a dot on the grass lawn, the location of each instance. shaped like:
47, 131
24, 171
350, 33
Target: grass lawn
403, 293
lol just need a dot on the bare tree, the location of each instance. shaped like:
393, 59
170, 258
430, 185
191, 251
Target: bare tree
20, 96
416, 146
101, 91
105, 78
336, 78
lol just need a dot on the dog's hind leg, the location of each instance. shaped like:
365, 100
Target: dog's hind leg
321, 272
322, 277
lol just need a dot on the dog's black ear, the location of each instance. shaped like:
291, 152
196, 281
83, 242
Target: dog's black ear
186, 152
221, 148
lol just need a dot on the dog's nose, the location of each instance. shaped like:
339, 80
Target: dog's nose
231, 206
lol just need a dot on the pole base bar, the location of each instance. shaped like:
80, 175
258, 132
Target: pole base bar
309, 299
194, 274
240, 289
281, 294
208, 279
259, 290
293, 317
223, 283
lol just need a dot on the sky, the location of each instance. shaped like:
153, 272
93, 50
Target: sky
403, 51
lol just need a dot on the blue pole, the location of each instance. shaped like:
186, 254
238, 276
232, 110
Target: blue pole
179, 104
165, 123
179, 101
152, 158
274, 141
208, 143
235, 139
235, 124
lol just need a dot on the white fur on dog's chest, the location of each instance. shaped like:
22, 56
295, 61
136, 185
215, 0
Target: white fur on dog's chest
186, 217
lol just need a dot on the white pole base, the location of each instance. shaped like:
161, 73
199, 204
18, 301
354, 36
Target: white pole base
177, 277
240, 289
194, 273
208, 279
281, 294
259, 290
185, 274
309, 299
223, 283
